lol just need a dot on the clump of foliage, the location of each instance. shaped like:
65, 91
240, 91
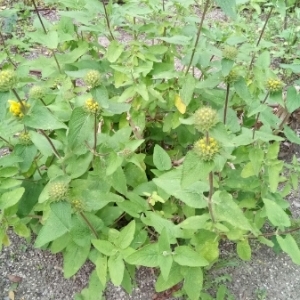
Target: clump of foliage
121, 156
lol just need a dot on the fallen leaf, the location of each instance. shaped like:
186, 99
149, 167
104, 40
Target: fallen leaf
179, 104
14, 278
11, 295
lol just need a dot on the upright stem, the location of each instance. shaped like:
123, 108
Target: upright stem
211, 191
95, 133
6, 51
50, 142
19, 99
226, 103
45, 31
89, 224
198, 35
107, 20
261, 34
257, 117
6, 141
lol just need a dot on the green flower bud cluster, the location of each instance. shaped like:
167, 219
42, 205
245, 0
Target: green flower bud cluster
58, 191
37, 92
77, 205
274, 85
126, 153
205, 119
230, 52
206, 148
92, 78
8, 80
231, 77
91, 106
24, 138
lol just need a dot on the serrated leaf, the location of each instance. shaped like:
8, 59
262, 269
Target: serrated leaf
165, 259
274, 171
291, 135
179, 104
81, 127
193, 282
161, 159
116, 269
187, 90
276, 215
105, 247
228, 6
101, 269
186, 256
100, 95
146, 256
244, 250
39, 117
194, 222
10, 198
289, 246
126, 236
292, 99
114, 51
227, 210
58, 223
74, 257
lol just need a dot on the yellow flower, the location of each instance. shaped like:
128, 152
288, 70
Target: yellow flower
206, 149
16, 108
91, 106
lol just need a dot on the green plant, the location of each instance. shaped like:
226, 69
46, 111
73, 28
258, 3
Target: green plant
103, 169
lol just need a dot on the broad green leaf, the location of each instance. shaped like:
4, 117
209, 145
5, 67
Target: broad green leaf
49, 40
105, 247
274, 171
248, 170
8, 171
101, 269
114, 161
276, 215
100, 95
292, 101
194, 169
175, 277
225, 209
256, 156
187, 90
28, 153
194, 222
10, 198
244, 250
242, 90
58, 223
21, 229
227, 65
80, 232
119, 181
126, 236
116, 269
263, 60
165, 259
161, 159
186, 256
114, 51
273, 150
291, 135
228, 6
289, 246
95, 199
193, 281
81, 128
77, 165
60, 243
146, 256
176, 39
74, 257
39, 117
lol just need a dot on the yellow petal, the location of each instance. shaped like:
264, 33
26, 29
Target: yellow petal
179, 104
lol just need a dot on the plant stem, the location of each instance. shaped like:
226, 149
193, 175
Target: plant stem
257, 117
89, 225
95, 133
19, 99
6, 51
260, 36
6, 141
198, 35
226, 103
275, 233
50, 142
211, 190
107, 20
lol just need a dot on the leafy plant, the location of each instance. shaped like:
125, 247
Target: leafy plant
122, 156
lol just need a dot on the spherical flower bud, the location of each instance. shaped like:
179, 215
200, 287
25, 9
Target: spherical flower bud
92, 78
231, 77
37, 92
205, 119
91, 106
274, 85
17, 109
58, 191
206, 149
230, 52
126, 153
24, 138
77, 205
8, 80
